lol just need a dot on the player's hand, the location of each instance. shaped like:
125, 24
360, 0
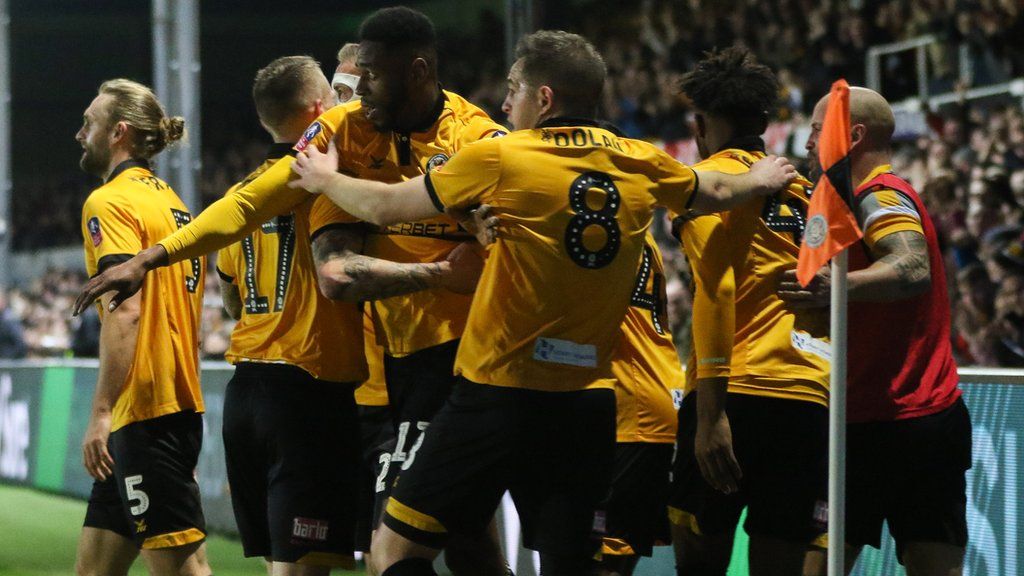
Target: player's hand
818, 293
773, 173
125, 280
315, 169
480, 222
464, 267
95, 456
713, 449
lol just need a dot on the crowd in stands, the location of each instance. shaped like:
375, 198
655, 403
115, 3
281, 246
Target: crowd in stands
968, 163
35, 322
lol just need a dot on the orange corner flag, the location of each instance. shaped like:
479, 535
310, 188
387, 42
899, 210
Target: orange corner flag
831, 225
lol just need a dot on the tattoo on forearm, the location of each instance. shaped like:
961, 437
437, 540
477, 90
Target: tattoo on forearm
907, 253
375, 279
367, 278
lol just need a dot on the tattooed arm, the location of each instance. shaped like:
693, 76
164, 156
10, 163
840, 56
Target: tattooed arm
346, 274
900, 269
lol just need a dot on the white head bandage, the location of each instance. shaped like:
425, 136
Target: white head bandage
350, 80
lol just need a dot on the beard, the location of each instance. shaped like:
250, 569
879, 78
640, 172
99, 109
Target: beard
813, 167
95, 160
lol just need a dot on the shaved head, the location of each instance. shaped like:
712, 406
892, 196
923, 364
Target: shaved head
870, 109
872, 124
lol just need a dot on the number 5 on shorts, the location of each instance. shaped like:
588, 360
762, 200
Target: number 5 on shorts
130, 482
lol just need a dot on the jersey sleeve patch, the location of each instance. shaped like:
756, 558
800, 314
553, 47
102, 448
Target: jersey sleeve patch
95, 232
308, 136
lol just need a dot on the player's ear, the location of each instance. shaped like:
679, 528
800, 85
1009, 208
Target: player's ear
120, 131
857, 134
545, 99
420, 69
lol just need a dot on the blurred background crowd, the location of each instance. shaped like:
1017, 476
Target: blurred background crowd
966, 160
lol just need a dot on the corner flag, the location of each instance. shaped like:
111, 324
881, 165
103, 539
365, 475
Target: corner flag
831, 225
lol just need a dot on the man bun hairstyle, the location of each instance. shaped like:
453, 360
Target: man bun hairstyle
173, 128
732, 85
283, 87
137, 106
568, 64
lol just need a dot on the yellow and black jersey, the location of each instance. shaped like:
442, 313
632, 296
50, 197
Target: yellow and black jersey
285, 318
884, 211
741, 328
418, 320
373, 391
645, 363
405, 323
129, 213
575, 202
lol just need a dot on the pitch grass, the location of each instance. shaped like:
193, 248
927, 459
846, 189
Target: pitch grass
39, 533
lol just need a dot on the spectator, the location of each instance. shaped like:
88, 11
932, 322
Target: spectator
12, 342
85, 337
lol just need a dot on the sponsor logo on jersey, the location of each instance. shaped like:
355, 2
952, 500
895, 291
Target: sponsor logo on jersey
498, 134
677, 398
308, 136
565, 352
806, 343
439, 230
309, 528
140, 526
94, 230
436, 161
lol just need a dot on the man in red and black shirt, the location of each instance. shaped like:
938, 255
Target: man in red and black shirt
909, 433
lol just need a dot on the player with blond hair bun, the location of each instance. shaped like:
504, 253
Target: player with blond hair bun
145, 429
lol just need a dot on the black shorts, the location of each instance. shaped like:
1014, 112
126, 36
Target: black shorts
635, 512
911, 473
782, 449
553, 451
152, 498
291, 446
377, 434
418, 385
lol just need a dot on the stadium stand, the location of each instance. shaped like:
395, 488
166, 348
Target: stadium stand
969, 165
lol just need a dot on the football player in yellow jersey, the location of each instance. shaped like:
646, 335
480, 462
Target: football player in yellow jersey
533, 411
647, 371
753, 424
290, 427
144, 433
417, 275
375, 428
403, 126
